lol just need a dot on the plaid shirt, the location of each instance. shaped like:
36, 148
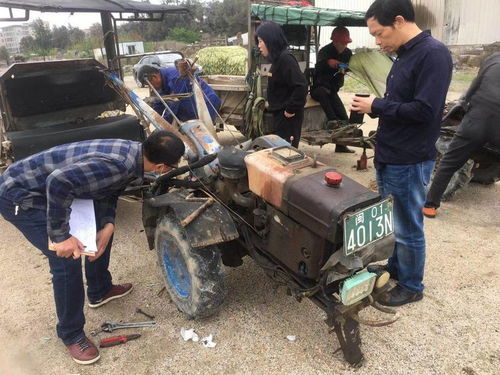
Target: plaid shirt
50, 180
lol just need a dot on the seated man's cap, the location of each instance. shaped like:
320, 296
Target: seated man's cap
341, 34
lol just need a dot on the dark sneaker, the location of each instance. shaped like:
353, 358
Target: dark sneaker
84, 351
429, 212
343, 149
399, 296
117, 291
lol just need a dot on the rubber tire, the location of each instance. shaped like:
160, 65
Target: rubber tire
202, 295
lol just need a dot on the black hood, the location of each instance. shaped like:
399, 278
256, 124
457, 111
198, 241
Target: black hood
272, 34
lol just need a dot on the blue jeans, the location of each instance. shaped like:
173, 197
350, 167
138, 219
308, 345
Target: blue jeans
67, 279
407, 184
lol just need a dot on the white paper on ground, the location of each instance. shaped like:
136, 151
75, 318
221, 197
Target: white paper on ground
207, 342
82, 223
189, 334
291, 337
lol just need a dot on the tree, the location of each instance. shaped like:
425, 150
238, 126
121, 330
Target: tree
96, 33
75, 35
43, 37
181, 34
60, 37
227, 17
27, 44
4, 55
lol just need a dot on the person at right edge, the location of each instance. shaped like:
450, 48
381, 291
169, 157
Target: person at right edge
480, 125
286, 84
409, 121
333, 60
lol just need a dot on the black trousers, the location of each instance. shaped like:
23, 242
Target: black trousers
330, 102
287, 128
478, 127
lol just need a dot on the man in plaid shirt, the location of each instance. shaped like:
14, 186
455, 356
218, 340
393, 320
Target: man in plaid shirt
36, 194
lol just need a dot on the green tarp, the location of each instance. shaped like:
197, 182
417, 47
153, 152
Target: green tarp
308, 16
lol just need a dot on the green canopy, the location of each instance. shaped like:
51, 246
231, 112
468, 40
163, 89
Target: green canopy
308, 16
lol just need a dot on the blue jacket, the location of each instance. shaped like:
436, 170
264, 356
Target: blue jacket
185, 109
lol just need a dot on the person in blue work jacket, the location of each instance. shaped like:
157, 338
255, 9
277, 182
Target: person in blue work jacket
409, 121
36, 194
169, 81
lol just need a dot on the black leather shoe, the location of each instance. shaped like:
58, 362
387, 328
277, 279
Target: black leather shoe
343, 149
399, 296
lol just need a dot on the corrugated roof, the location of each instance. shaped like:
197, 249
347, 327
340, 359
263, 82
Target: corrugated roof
124, 6
309, 16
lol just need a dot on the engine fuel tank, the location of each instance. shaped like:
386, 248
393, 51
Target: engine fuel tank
290, 181
269, 169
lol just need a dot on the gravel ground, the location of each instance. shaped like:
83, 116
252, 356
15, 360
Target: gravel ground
453, 330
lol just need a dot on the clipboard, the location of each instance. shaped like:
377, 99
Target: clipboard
82, 225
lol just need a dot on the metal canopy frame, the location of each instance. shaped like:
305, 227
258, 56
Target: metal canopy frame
92, 6
111, 11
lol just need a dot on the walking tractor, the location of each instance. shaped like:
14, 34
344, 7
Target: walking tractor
306, 225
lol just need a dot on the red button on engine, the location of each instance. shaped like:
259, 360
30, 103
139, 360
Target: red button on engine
333, 178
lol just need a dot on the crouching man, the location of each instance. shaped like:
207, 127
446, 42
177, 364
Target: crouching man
36, 194
169, 81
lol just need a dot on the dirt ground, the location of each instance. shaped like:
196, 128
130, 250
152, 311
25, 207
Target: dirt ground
453, 330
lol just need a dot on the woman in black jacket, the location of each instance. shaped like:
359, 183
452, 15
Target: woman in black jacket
287, 86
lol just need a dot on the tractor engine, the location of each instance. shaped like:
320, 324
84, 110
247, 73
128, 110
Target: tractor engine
306, 205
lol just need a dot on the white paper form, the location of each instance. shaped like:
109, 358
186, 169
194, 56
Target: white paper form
82, 224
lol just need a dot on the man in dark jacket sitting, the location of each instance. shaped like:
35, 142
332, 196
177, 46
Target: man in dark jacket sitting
333, 60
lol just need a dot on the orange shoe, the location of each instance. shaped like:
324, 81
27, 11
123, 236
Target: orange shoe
429, 212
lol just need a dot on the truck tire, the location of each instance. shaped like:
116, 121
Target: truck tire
194, 278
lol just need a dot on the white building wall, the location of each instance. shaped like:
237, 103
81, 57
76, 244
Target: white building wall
472, 23
10, 37
131, 48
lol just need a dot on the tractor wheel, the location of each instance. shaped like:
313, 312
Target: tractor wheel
194, 278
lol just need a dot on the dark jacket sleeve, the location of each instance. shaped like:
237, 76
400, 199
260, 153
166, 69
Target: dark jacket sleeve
427, 97
297, 83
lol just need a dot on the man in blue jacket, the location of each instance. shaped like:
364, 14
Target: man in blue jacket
36, 195
169, 81
409, 121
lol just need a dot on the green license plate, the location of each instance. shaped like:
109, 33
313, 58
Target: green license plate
368, 225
